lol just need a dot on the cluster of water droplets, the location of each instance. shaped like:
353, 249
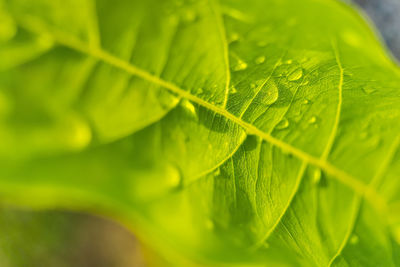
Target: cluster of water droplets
240, 65
182, 11
289, 69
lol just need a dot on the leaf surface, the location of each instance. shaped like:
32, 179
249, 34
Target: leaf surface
236, 132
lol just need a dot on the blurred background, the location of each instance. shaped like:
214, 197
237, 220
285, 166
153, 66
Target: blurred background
64, 238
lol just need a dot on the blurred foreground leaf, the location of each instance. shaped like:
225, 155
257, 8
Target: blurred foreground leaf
225, 132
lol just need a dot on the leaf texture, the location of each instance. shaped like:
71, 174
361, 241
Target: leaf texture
230, 132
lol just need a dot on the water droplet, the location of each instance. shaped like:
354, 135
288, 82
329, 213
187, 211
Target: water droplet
173, 176
312, 120
260, 60
233, 37
295, 75
241, 65
316, 177
283, 124
306, 102
270, 93
8, 28
188, 106
81, 134
217, 172
199, 91
368, 90
354, 239
305, 82
253, 85
289, 61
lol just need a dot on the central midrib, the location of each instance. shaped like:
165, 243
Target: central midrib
72, 42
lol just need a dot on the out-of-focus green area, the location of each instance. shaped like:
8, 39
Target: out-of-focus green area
64, 239
91, 154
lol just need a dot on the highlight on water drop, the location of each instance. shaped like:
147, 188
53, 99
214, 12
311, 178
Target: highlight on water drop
283, 124
295, 75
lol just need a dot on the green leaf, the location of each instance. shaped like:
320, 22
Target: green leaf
226, 132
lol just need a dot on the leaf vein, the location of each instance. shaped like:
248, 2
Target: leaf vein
222, 33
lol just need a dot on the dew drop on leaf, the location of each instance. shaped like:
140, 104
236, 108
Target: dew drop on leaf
312, 120
241, 65
260, 60
233, 37
289, 61
306, 102
316, 176
81, 135
199, 91
354, 239
368, 90
295, 75
173, 176
271, 93
188, 106
305, 82
283, 124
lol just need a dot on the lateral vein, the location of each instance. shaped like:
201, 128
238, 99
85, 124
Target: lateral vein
225, 49
335, 127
